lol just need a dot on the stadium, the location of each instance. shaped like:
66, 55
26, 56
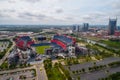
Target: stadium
58, 43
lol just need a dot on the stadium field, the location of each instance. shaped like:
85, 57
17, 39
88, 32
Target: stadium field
41, 49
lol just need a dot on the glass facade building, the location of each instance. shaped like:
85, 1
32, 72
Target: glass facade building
112, 26
85, 27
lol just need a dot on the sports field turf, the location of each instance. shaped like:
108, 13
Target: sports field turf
41, 49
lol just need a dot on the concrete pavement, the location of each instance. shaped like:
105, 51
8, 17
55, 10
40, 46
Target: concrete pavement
15, 70
41, 73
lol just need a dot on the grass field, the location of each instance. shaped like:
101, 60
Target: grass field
53, 71
111, 43
93, 38
41, 49
56, 74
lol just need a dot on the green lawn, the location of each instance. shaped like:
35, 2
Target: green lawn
111, 43
55, 74
93, 38
53, 71
41, 49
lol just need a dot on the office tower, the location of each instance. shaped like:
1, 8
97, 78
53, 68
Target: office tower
85, 27
112, 26
76, 28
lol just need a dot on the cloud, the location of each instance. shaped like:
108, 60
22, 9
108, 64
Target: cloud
8, 10
29, 15
32, 1
9, 1
2, 15
69, 18
115, 4
95, 15
12, 1
6, 13
59, 11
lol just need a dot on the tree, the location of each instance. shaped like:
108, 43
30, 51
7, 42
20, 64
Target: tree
80, 71
107, 71
94, 63
73, 72
89, 68
77, 71
78, 78
56, 65
83, 70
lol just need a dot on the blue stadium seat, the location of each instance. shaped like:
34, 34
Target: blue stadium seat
64, 39
41, 44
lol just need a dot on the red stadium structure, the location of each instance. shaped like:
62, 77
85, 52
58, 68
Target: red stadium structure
59, 43
24, 42
63, 40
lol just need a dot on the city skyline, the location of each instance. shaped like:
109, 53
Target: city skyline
58, 11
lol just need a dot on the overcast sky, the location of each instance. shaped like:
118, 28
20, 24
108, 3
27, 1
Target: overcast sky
58, 11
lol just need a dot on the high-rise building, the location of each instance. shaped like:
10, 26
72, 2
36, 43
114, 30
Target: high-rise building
85, 27
112, 26
76, 28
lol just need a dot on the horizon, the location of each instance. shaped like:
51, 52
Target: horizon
54, 24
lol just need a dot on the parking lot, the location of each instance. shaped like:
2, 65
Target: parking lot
98, 74
90, 64
19, 75
95, 75
3, 45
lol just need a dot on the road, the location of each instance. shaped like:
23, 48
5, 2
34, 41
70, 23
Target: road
41, 74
